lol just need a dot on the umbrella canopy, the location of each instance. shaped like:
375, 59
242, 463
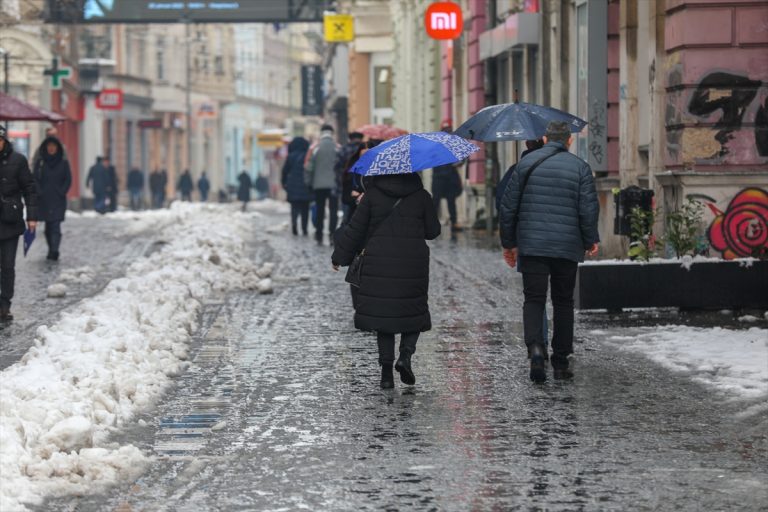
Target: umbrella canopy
12, 109
515, 121
413, 153
381, 131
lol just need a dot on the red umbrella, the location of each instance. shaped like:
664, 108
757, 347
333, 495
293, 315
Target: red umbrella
381, 131
12, 109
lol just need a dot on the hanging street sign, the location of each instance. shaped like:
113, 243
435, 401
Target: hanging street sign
110, 99
338, 28
57, 74
443, 20
311, 90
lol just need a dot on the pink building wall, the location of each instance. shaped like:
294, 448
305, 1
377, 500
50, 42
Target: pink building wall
614, 88
717, 85
476, 88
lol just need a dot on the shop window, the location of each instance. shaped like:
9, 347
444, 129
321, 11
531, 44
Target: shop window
382, 87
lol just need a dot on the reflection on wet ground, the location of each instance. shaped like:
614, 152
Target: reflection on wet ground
281, 410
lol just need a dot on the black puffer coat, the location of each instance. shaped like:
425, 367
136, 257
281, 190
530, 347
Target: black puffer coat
53, 178
393, 294
293, 171
16, 181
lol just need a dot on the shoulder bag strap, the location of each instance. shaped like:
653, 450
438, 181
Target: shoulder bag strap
527, 177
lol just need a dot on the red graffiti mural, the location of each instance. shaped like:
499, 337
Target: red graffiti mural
742, 230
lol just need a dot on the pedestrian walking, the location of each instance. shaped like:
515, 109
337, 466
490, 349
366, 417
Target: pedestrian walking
548, 220
51, 131
136, 188
154, 188
320, 176
98, 181
53, 178
298, 193
446, 184
262, 187
163, 187
16, 183
204, 187
244, 189
348, 155
185, 186
391, 224
111, 185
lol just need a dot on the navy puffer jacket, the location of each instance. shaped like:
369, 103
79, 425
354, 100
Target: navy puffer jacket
559, 211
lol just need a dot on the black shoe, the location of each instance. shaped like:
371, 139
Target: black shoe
387, 377
5, 314
319, 238
53, 256
538, 371
403, 367
546, 354
560, 368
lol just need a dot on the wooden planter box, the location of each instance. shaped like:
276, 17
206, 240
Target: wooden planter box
709, 284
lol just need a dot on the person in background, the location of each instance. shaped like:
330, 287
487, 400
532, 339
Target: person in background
262, 187
111, 184
391, 224
51, 131
446, 184
344, 162
163, 181
244, 189
53, 177
204, 187
320, 176
136, 188
185, 186
548, 220
98, 182
298, 193
16, 182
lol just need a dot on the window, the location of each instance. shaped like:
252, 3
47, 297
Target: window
160, 58
218, 65
382, 87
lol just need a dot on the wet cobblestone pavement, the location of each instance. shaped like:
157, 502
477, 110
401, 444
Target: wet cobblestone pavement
280, 410
93, 252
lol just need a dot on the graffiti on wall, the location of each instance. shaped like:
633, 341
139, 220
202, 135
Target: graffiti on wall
734, 96
742, 229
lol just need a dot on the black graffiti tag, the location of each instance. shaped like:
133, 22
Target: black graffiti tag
734, 105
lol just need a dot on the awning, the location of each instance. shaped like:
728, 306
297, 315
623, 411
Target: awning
13, 109
517, 30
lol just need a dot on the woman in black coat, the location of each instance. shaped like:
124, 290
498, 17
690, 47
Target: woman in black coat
392, 222
293, 183
15, 181
53, 178
244, 189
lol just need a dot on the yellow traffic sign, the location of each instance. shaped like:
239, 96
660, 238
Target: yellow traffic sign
338, 28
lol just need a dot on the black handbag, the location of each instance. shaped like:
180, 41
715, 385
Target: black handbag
355, 271
11, 211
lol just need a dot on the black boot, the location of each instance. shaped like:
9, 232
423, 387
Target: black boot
5, 314
560, 368
538, 371
403, 367
387, 377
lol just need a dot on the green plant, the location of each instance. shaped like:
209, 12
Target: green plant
683, 226
642, 243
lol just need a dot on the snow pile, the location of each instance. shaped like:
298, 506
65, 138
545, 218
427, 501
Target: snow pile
79, 275
732, 361
111, 357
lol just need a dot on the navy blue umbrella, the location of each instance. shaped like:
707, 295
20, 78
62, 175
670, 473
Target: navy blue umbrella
29, 237
515, 121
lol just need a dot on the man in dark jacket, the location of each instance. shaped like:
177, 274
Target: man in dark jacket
111, 184
548, 220
186, 186
203, 186
244, 189
135, 187
53, 178
15, 181
320, 176
98, 181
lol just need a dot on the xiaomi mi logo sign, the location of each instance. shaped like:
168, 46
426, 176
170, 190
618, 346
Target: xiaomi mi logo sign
443, 20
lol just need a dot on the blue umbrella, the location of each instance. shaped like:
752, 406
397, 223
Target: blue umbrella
29, 237
412, 153
515, 121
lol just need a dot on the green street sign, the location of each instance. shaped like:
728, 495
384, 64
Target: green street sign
59, 75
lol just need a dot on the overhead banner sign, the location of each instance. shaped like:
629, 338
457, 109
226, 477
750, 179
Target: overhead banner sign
338, 28
311, 91
170, 11
443, 20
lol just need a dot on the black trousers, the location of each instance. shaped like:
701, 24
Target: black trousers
561, 273
8, 247
53, 235
322, 196
299, 208
451, 200
386, 343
